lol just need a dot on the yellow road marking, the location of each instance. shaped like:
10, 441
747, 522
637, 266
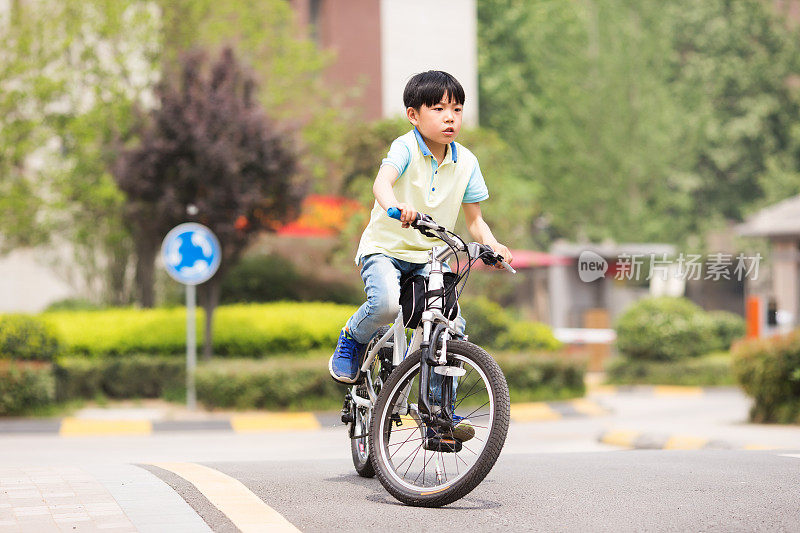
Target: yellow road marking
587, 407
620, 437
530, 412
675, 390
71, 427
274, 422
246, 510
682, 442
759, 447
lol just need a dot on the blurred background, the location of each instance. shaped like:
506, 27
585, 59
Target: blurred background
660, 130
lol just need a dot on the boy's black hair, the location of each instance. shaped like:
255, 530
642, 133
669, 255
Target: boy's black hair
428, 88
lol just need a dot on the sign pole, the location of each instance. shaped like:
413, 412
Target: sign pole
191, 347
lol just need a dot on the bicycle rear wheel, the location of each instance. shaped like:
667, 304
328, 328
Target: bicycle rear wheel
408, 455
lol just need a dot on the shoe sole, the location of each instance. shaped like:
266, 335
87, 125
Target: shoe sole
339, 379
463, 432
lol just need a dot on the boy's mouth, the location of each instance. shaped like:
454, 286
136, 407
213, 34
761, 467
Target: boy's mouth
449, 131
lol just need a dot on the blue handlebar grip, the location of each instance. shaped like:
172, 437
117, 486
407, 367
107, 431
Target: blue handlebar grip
394, 212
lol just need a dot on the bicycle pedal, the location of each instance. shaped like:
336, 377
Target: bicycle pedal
442, 444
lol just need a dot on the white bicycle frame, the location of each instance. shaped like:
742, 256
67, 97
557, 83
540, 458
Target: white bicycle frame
397, 333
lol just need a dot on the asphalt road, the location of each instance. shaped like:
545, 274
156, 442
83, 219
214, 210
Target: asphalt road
552, 476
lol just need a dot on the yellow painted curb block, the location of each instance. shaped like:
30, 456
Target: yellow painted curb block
74, 427
622, 438
586, 407
602, 389
675, 390
534, 411
247, 511
683, 442
274, 422
760, 447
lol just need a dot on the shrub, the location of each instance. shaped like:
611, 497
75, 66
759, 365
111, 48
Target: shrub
664, 329
126, 377
767, 369
281, 383
24, 387
708, 370
268, 278
25, 338
491, 326
239, 330
727, 328
528, 336
486, 320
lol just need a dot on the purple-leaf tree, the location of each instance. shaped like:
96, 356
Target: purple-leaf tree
209, 154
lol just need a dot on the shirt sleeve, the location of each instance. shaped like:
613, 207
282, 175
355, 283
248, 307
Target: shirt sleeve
476, 188
399, 156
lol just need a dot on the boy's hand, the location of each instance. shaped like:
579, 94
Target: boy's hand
407, 214
502, 250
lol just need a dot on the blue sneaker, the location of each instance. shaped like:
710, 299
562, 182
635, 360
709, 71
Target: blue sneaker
462, 432
343, 364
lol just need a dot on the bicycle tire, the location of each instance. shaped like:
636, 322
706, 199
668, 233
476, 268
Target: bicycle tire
497, 430
359, 448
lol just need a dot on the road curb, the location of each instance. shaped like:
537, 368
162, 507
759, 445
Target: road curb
656, 390
261, 422
662, 441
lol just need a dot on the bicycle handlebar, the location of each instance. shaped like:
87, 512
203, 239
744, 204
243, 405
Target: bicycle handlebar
424, 223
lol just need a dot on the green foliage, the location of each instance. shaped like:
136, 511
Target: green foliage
67, 98
266, 278
24, 387
25, 338
727, 327
664, 329
767, 370
646, 120
536, 378
291, 383
135, 376
491, 326
240, 330
707, 370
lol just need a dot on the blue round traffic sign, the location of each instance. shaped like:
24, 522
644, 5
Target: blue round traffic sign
191, 253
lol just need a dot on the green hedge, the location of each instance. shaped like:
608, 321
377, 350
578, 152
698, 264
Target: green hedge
250, 330
25, 338
769, 372
709, 370
670, 329
491, 326
137, 376
25, 387
287, 383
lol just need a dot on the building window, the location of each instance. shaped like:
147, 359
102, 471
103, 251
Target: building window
314, 9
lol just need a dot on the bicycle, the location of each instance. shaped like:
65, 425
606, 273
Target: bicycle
421, 395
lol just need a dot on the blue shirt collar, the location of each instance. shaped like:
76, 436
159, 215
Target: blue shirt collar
426, 151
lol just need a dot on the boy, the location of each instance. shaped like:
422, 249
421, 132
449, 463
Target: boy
425, 171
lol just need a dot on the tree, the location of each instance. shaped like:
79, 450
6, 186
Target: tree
643, 120
207, 144
64, 100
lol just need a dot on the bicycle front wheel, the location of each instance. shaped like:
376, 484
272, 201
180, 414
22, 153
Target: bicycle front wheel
427, 466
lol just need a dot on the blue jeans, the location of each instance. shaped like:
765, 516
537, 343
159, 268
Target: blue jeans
381, 275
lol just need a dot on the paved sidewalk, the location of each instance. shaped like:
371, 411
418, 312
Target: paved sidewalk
95, 499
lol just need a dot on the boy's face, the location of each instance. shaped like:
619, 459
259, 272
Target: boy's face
439, 123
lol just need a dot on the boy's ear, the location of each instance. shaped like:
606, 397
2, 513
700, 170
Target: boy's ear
412, 115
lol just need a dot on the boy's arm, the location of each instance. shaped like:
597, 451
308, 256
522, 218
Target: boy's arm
382, 189
480, 231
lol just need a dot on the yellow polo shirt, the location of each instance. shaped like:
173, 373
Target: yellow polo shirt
433, 189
